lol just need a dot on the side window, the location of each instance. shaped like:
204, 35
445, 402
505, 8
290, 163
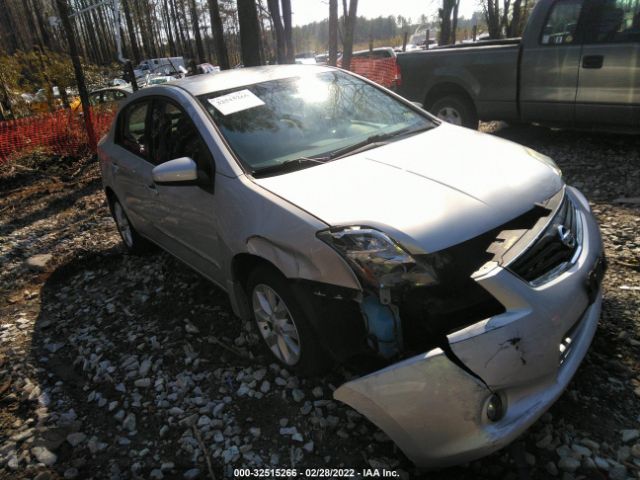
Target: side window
175, 136
614, 21
132, 133
562, 23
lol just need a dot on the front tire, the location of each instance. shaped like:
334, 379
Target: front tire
133, 241
287, 333
456, 110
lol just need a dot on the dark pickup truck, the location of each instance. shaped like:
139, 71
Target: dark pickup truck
577, 65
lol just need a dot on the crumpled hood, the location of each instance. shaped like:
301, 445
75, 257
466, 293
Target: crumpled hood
428, 192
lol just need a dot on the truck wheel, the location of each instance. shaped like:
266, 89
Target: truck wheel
456, 110
132, 240
287, 333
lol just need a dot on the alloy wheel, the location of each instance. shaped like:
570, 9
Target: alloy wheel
276, 324
450, 115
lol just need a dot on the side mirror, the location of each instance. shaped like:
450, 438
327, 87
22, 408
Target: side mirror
179, 171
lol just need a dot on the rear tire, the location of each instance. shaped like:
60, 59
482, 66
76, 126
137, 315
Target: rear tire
456, 110
287, 333
133, 241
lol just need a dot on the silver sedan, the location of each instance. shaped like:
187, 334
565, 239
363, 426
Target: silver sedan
454, 271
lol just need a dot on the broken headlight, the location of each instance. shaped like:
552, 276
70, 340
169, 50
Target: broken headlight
379, 261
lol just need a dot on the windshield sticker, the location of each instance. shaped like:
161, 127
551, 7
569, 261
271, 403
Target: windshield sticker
235, 102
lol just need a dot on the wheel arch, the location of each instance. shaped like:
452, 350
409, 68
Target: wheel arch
243, 263
111, 197
444, 89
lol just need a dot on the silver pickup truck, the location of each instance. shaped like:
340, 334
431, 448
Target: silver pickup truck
577, 65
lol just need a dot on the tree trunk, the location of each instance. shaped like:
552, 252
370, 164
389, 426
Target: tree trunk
288, 32
7, 30
179, 32
249, 28
77, 67
516, 20
281, 47
167, 23
333, 32
132, 33
454, 22
349, 28
185, 24
220, 47
492, 16
444, 13
196, 31
504, 22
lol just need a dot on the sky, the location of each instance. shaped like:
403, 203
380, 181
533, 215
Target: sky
307, 11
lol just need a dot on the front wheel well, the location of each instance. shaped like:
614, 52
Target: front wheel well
111, 197
244, 263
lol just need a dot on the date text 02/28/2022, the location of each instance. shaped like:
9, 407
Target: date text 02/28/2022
315, 473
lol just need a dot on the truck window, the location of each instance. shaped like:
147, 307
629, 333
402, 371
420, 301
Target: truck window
561, 25
614, 21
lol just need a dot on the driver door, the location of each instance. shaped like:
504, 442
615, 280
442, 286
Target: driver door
185, 213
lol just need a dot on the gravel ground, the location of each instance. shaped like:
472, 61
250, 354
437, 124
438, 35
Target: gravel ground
113, 366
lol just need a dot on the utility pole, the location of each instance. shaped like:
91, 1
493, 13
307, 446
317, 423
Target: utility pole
63, 8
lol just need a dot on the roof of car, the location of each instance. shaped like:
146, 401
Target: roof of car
228, 79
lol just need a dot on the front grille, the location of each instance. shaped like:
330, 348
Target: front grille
554, 250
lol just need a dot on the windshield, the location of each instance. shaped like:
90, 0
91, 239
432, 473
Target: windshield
278, 121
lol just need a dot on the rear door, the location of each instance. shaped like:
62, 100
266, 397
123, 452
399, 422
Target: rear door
185, 214
609, 81
549, 66
131, 167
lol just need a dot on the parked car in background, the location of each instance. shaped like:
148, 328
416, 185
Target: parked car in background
104, 98
38, 102
577, 65
322, 58
157, 79
305, 58
345, 221
159, 65
208, 68
379, 64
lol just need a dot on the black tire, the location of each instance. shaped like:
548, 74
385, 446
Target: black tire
132, 240
461, 111
312, 358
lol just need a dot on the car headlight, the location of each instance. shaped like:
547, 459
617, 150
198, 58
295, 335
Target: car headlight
379, 261
548, 161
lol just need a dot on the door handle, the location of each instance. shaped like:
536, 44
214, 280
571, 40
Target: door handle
116, 168
592, 61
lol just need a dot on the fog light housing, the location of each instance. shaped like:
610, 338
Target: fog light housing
495, 408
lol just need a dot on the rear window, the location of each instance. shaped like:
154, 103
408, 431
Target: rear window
562, 23
613, 21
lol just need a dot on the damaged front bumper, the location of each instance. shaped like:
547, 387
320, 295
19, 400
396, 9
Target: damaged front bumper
437, 413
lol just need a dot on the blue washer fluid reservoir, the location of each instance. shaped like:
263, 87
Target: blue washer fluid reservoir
383, 327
